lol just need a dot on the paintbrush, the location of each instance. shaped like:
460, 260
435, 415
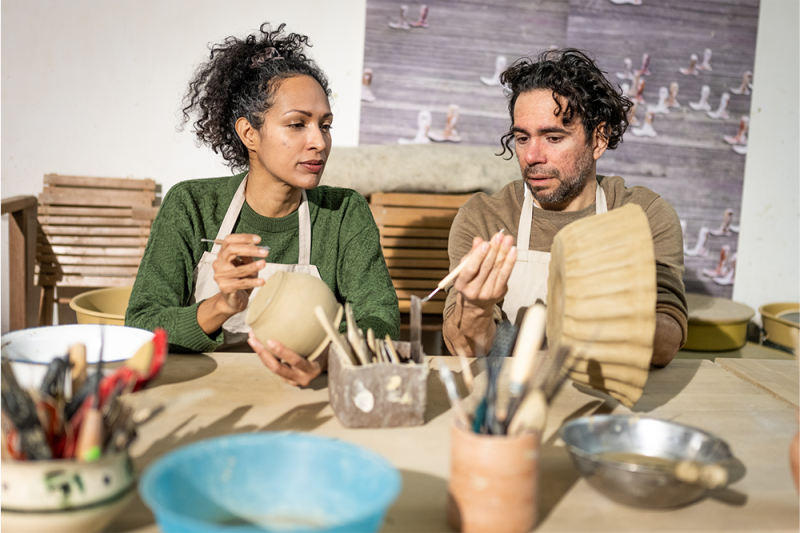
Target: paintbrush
21, 411
503, 344
448, 279
90, 439
452, 393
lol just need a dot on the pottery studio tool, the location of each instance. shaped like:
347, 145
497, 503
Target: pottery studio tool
77, 361
355, 336
448, 279
221, 242
21, 411
90, 439
452, 393
504, 339
524, 359
415, 328
346, 356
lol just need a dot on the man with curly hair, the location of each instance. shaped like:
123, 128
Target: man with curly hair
564, 116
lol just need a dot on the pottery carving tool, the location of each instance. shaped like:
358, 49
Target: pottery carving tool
531, 414
452, 393
21, 410
354, 335
77, 361
390, 349
346, 357
415, 328
449, 278
524, 359
90, 440
221, 242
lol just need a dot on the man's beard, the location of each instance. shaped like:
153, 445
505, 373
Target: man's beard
568, 188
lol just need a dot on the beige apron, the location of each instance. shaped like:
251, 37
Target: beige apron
528, 280
236, 328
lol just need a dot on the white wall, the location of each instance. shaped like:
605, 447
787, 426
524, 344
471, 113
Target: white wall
768, 262
93, 87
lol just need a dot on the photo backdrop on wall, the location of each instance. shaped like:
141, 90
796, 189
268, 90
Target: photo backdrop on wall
431, 75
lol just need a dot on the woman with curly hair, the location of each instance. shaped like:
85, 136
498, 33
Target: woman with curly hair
263, 105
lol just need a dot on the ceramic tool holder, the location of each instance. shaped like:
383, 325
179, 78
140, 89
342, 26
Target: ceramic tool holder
493, 482
380, 394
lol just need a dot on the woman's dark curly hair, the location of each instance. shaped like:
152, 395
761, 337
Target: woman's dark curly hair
573, 75
240, 80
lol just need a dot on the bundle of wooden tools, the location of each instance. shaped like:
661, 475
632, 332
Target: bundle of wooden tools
514, 402
73, 414
357, 348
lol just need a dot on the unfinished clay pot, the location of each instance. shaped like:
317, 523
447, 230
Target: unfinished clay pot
283, 310
493, 482
602, 300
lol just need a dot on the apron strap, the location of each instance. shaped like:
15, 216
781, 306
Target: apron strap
304, 216
231, 215
525, 220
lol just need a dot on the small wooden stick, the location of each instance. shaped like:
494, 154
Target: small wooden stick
345, 356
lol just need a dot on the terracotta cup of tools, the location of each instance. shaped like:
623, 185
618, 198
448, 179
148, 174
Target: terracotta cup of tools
493, 482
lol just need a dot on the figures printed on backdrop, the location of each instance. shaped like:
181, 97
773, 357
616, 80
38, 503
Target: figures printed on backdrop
703, 104
366, 86
449, 134
705, 65
692, 68
423, 128
639, 96
746, 84
726, 228
627, 74
500, 64
644, 70
672, 101
647, 129
662, 108
632, 120
726, 268
699, 249
740, 139
722, 111
404, 24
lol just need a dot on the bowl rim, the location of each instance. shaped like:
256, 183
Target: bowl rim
631, 467
157, 467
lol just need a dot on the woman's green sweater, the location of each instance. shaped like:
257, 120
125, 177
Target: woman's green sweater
345, 247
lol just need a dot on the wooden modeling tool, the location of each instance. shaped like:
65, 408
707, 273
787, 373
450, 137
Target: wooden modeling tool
526, 349
390, 349
90, 439
77, 360
355, 337
345, 355
531, 414
221, 242
448, 279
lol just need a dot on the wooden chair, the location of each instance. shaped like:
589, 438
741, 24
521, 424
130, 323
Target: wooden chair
92, 234
414, 229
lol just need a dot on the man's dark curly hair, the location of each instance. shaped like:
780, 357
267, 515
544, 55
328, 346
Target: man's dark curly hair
239, 80
573, 75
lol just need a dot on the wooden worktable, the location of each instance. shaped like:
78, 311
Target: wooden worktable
248, 398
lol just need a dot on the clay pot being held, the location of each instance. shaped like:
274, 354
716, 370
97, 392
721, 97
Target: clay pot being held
283, 310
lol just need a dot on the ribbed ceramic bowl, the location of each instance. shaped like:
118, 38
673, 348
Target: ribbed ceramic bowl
270, 482
65, 496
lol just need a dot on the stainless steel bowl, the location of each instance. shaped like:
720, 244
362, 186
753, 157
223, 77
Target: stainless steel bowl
591, 440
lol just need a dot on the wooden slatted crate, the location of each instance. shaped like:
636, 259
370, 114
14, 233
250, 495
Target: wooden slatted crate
414, 229
92, 233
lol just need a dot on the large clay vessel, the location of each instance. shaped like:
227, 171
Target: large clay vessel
283, 310
602, 300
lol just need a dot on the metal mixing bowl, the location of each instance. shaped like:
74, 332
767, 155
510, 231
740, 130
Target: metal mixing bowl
589, 439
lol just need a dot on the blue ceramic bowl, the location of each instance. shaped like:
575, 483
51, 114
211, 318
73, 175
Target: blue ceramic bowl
270, 482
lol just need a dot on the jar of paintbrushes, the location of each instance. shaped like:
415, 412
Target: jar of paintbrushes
497, 429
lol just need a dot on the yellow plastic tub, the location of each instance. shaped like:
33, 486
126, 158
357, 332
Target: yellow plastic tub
102, 306
780, 324
716, 324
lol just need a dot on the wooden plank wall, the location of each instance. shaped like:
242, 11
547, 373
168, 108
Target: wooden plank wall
688, 163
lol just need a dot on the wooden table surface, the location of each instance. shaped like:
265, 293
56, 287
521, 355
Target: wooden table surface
246, 397
779, 378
